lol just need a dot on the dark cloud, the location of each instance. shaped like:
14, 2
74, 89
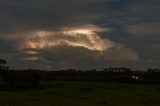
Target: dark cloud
64, 57
26, 15
134, 24
149, 29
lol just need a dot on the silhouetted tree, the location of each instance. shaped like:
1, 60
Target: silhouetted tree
3, 64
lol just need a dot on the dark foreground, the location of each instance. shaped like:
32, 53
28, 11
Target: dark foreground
83, 94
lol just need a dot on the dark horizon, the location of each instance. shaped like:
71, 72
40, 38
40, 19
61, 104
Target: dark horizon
79, 52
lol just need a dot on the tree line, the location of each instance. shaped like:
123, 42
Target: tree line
32, 78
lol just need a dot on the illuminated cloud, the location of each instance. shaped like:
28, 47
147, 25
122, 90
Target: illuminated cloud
85, 37
72, 47
57, 33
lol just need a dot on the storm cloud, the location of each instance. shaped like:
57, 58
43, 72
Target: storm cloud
60, 34
73, 47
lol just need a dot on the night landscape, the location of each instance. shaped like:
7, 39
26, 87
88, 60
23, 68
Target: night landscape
79, 53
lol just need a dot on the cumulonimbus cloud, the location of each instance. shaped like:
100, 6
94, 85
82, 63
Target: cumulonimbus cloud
85, 37
71, 47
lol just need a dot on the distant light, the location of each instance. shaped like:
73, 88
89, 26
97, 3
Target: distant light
135, 77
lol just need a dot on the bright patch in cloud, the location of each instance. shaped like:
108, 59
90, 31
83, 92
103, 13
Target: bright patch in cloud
85, 37
70, 46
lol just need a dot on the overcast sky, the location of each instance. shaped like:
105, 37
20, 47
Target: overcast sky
81, 34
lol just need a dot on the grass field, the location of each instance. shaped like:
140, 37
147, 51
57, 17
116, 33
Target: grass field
84, 94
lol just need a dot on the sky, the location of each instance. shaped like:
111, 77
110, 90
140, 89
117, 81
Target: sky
80, 34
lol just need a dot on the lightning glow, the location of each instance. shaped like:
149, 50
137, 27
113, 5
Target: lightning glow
85, 37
